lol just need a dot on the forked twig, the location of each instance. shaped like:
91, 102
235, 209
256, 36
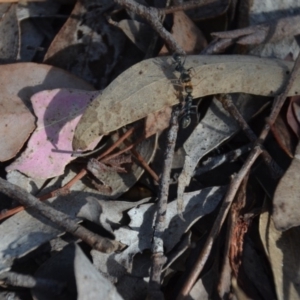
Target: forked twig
228, 105
152, 15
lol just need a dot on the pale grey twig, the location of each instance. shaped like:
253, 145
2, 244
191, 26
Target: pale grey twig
158, 257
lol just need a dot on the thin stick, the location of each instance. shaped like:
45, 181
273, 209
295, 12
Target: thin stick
280, 99
234, 185
228, 104
68, 224
152, 15
158, 257
185, 6
144, 164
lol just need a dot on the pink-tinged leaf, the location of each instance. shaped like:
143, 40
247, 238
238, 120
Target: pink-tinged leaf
49, 149
16, 123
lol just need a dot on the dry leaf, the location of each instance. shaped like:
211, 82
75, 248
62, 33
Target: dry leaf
26, 79
187, 35
147, 87
216, 127
158, 121
286, 209
87, 45
83, 281
136, 32
293, 115
16, 124
49, 148
138, 236
283, 136
18, 83
9, 32
282, 249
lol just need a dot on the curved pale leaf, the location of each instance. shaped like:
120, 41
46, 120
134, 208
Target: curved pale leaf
147, 87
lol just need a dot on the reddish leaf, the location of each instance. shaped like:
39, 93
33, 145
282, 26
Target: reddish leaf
50, 147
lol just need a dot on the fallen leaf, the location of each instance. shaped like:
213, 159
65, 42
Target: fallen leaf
106, 213
187, 34
83, 281
25, 79
282, 249
49, 148
283, 135
138, 236
16, 124
35, 20
136, 31
293, 115
286, 211
18, 82
9, 32
158, 121
87, 45
25, 231
216, 127
151, 80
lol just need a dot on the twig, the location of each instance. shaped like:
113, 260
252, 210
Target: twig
152, 15
158, 257
216, 161
68, 224
141, 160
228, 105
27, 281
268, 32
280, 99
185, 6
234, 185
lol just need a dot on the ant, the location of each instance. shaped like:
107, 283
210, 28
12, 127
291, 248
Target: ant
186, 81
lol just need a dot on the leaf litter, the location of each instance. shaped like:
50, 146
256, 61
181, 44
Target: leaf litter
142, 90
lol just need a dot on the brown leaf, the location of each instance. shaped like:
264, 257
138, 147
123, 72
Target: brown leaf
188, 36
16, 124
283, 136
158, 121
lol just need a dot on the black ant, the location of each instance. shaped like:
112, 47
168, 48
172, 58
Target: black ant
186, 81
